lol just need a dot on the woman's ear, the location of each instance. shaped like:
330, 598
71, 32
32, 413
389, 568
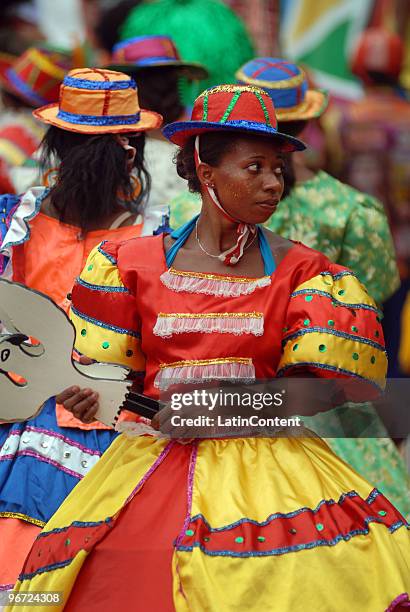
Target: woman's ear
205, 173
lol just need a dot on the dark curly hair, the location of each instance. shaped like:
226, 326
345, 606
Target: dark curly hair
92, 171
212, 147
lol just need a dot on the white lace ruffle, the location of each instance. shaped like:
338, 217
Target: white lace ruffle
222, 323
210, 285
19, 230
134, 429
240, 370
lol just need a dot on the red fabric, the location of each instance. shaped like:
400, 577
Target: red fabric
380, 51
247, 106
146, 48
131, 557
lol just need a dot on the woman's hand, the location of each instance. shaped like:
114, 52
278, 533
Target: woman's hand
83, 403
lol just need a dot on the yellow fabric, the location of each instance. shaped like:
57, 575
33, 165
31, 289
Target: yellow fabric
90, 337
91, 344
354, 291
291, 473
339, 354
404, 351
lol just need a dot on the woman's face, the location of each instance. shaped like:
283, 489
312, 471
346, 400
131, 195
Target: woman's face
249, 179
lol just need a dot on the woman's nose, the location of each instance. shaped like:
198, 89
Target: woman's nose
273, 182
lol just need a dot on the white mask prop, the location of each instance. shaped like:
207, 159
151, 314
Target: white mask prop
33, 371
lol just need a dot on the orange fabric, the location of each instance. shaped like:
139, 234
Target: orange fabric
55, 255
17, 537
67, 419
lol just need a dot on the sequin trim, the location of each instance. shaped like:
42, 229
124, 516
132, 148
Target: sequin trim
336, 301
322, 366
335, 332
110, 258
231, 106
70, 81
93, 120
79, 524
151, 470
104, 288
22, 517
230, 279
401, 599
283, 84
46, 568
231, 89
236, 323
114, 328
200, 362
190, 488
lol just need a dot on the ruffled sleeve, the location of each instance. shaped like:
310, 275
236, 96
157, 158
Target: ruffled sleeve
333, 330
104, 314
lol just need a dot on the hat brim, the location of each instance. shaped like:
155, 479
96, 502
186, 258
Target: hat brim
314, 104
180, 132
11, 88
149, 120
190, 70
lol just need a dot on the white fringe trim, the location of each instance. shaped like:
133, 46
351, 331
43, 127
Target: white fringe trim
226, 287
200, 372
223, 323
135, 429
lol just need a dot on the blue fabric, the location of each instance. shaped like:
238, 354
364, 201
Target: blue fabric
126, 43
99, 85
24, 89
194, 128
182, 234
35, 488
98, 120
7, 203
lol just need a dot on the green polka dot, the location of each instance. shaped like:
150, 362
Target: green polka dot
372, 359
292, 531
129, 353
377, 334
341, 292
331, 323
378, 319
83, 332
261, 539
354, 328
90, 267
295, 346
308, 298
306, 322
319, 527
355, 356
285, 329
239, 540
206, 539
382, 512
334, 304
189, 532
322, 348
105, 345
67, 542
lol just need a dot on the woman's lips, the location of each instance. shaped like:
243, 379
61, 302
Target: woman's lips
269, 204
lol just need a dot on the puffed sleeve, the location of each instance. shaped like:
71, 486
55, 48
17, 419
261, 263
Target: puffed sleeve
333, 330
104, 312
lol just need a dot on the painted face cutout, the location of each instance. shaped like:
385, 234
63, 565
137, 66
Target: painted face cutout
32, 371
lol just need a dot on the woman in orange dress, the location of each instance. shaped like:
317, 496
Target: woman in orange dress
96, 135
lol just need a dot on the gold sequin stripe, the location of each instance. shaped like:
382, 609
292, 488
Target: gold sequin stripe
284, 84
232, 89
211, 315
231, 279
22, 517
194, 362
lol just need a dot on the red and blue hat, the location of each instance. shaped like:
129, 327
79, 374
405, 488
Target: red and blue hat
36, 75
288, 87
234, 108
144, 52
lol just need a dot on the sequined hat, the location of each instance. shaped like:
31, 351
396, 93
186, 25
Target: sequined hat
98, 101
287, 85
235, 108
144, 52
36, 75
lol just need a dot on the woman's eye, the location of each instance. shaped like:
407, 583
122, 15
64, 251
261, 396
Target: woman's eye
279, 170
254, 167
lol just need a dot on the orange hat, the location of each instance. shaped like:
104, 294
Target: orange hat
98, 101
36, 75
377, 50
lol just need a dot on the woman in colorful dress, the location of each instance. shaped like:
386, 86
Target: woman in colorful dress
349, 227
46, 237
250, 523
